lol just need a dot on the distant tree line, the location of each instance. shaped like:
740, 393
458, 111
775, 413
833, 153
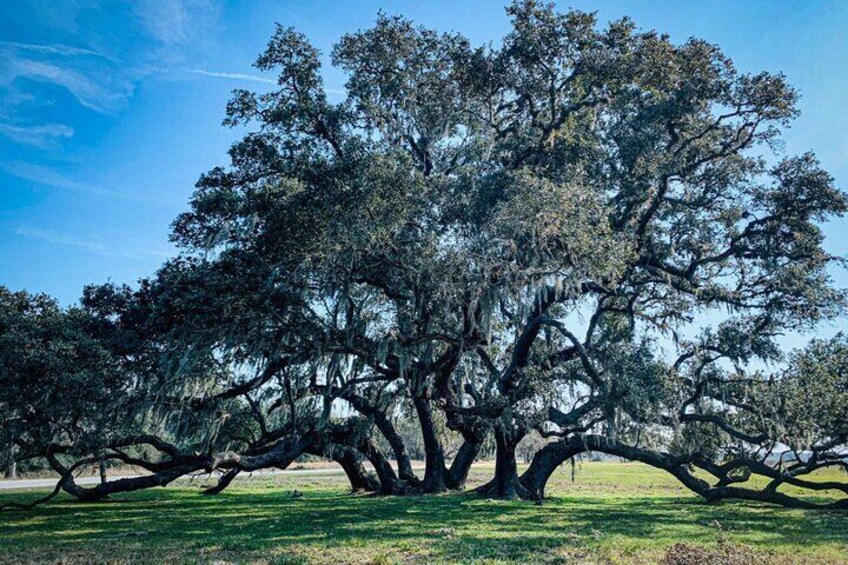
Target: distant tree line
577, 233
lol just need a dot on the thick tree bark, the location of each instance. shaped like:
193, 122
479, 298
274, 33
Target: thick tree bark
506, 483
435, 473
360, 479
101, 491
350, 460
461, 465
554, 454
389, 481
364, 406
279, 455
101, 466
474, 431
389, 432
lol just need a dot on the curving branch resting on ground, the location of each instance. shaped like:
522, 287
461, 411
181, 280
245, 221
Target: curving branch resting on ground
554, 454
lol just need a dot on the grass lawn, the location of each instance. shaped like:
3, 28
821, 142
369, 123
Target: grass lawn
611, 513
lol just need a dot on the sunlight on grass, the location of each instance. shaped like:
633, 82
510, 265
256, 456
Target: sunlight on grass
611, 513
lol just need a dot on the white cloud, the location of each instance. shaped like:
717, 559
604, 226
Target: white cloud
231, 76
38, 136
99, 97
167, 21
175, 22
90, 245
46, 176
252, 78
58, 49
60, 239
150, 33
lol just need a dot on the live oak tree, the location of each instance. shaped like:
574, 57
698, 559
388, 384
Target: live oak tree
51, 366
59, 384
588, 234
525, 236
117, 380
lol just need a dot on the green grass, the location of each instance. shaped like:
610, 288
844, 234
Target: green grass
612, 513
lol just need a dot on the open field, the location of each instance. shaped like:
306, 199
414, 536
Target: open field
611, 513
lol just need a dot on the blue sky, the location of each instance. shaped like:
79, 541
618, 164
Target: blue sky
109, 111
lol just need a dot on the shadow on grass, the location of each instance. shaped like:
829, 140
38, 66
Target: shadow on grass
321, 522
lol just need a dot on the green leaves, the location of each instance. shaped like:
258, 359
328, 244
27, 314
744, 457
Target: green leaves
58, 382
550, 229
814, 395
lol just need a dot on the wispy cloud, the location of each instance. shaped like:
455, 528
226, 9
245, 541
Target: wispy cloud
231, 76
46, 176
60, 239
91, 245
251, 78
58, 49
146, 34
49, 177
165, 20
175, 22
42, 136
99, 96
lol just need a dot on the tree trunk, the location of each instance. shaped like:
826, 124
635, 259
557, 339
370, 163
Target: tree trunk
461, 465
384, 424
506, 483
11, 471
398, 448
389, 482
102, 469
435, 473
350, 459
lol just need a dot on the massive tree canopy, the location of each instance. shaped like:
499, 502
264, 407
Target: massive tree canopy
587, 233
